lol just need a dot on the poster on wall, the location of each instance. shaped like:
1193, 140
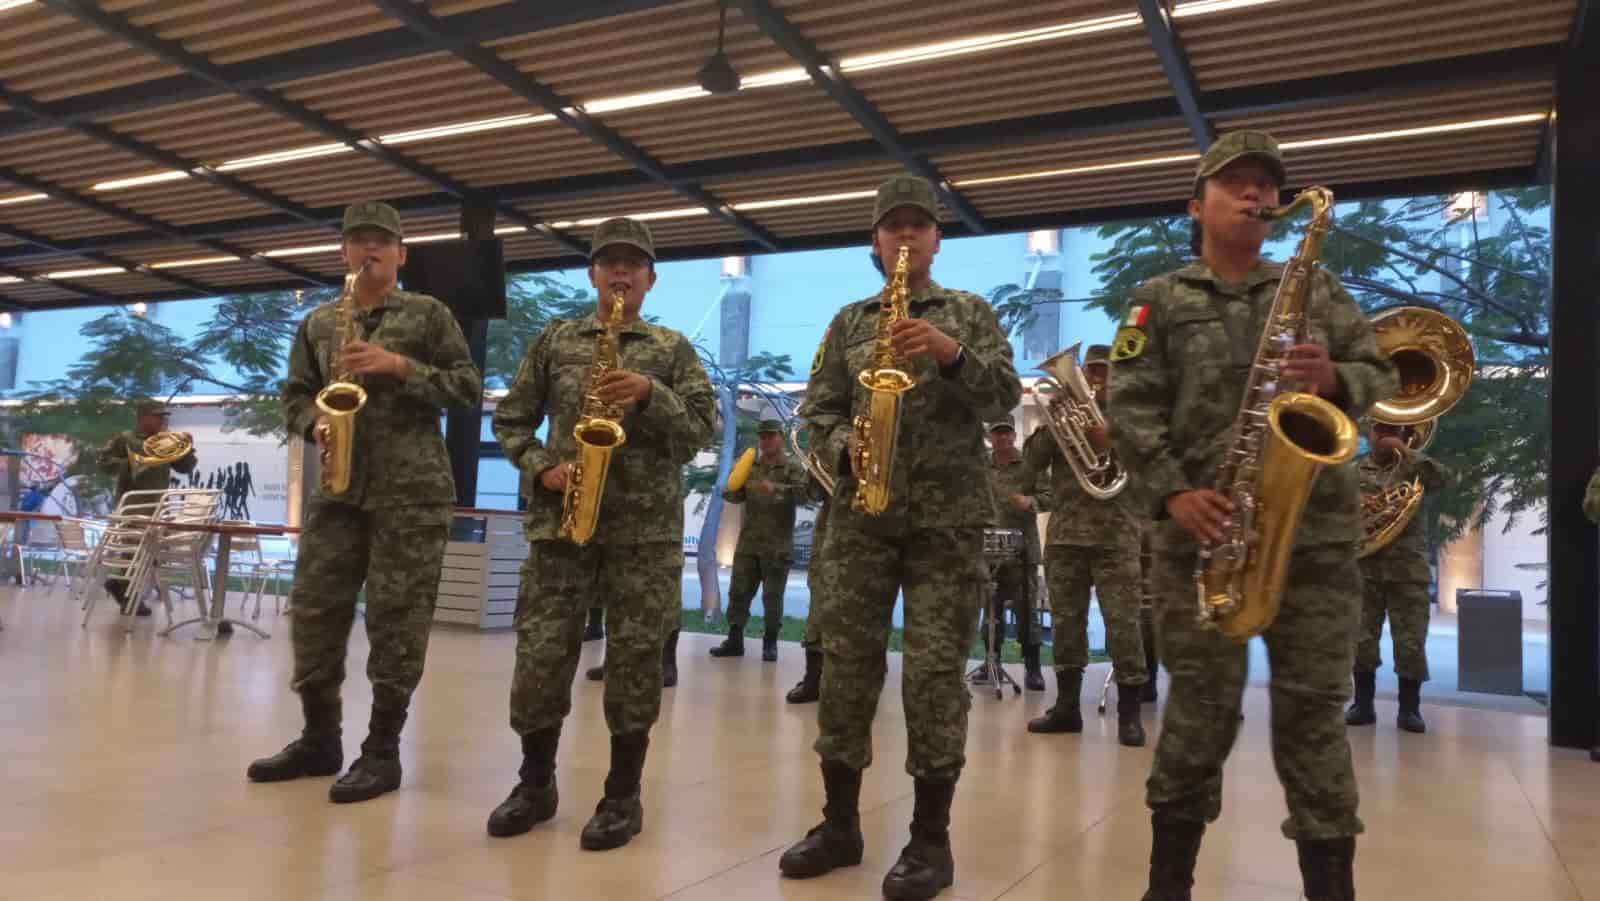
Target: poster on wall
45, 460
252, 473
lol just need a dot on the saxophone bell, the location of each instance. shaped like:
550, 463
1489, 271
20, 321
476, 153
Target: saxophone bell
598, 432
877, 433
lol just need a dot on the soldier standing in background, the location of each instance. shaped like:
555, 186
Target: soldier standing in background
1394, 581
387, 532
1091, 543
1018, 509
633, 564
766, 541
1180, 364
152, 418
928, 543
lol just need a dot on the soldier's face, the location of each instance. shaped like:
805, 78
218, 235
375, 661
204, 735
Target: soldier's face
1003, 439
771, 443
149, 424
1096, 377
1223, 209
624, 268
381, 252
910, 227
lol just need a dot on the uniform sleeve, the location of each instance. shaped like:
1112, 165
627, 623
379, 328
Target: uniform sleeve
518, 415
1140, 415
1434, 475
684, 413
1591, 498
304, 381
449, 378
1038, 455
795, 480
827, 407
987, 376
1365, 375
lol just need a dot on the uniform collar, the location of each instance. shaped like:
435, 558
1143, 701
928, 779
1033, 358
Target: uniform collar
1264, 271
932, 292
1015, 459
591, 325
394, 299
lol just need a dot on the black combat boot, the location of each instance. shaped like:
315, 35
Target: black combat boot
769, 646
809, 688
377, 770
926, 866
1065, 715
534, 799
619, 816
1410, 716
317, 752
1174, 847
733, 645
595, 629
836, 841
1147, 631
1032, 678
1327, 868
669, 661
1361, 712
596, 673
1130, 731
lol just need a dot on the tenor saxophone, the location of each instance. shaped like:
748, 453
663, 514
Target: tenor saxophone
341, 399
598, 433
885, 380
1281, 438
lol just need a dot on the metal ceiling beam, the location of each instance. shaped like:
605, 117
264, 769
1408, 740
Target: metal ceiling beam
176, 54
419, 20
826, 75
1411, 80
1425, 185
1175, 62
502, 21
151, 224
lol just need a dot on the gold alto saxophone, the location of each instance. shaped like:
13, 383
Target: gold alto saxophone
1070, 412
885, 380
1282, 437
598, 433
341, 399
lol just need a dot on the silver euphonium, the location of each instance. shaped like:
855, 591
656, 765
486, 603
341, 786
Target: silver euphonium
807, 458
1070, 412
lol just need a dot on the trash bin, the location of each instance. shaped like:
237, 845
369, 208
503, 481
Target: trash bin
1489, 641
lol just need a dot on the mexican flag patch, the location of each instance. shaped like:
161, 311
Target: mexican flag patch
1138, 314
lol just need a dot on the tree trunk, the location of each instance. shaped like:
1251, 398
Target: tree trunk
706, 552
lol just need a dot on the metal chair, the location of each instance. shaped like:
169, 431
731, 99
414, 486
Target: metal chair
125, 552
276, 568
179, 555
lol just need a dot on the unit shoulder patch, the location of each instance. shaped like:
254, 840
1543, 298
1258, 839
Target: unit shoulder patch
1128, 344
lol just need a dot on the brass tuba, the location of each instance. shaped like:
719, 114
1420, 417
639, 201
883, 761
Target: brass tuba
1433, 356
1281, 438
160, 449
598, 433
341, 399
885, 380
1070, 412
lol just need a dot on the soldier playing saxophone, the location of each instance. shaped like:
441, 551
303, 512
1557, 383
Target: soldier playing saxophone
1179, 367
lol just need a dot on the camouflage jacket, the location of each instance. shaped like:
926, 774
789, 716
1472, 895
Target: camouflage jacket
768, 524
113, 459
1404, 559
1193, 339
1075, 517
643, 498
1006, 479
399, 456
1591, 498
940, 476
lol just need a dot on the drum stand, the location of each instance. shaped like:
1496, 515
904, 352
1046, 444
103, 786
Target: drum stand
991, 671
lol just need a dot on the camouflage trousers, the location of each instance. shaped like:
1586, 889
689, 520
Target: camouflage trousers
1013, 587
942, 576
770, 573
397, 554
639, 586
816, 585
1407, 605
1113, 570
1309, 647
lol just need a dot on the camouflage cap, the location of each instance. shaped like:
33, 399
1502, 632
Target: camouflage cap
371, 214
905, 190
623, 231
999, 424
1237, 144
1097, 353
769, 425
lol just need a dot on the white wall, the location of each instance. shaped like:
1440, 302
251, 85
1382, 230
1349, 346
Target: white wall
1503, 550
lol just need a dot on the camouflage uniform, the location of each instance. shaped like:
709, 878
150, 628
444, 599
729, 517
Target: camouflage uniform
633, 565
1394, 580
928, 544
1591, 498
1013, 581
1179, 368
817, 583
1089, 543
766, 542
388, 531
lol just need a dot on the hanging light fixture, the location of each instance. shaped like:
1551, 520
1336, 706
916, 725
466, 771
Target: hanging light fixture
717, 75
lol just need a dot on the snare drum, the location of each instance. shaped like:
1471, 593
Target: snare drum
1002, 545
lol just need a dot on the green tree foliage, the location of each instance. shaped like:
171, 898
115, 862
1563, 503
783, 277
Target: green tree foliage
531, 302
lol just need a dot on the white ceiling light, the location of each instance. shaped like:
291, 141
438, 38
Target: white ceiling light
1470, 125
646, 98
301, 251
987, 42
1202, 7
118, 184
1080, 170
463, 128
197, 261
803, 201
284, 156
9, 280
22, 198
85, 273
13, 4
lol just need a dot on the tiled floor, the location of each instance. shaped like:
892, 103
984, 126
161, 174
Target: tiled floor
123, 777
